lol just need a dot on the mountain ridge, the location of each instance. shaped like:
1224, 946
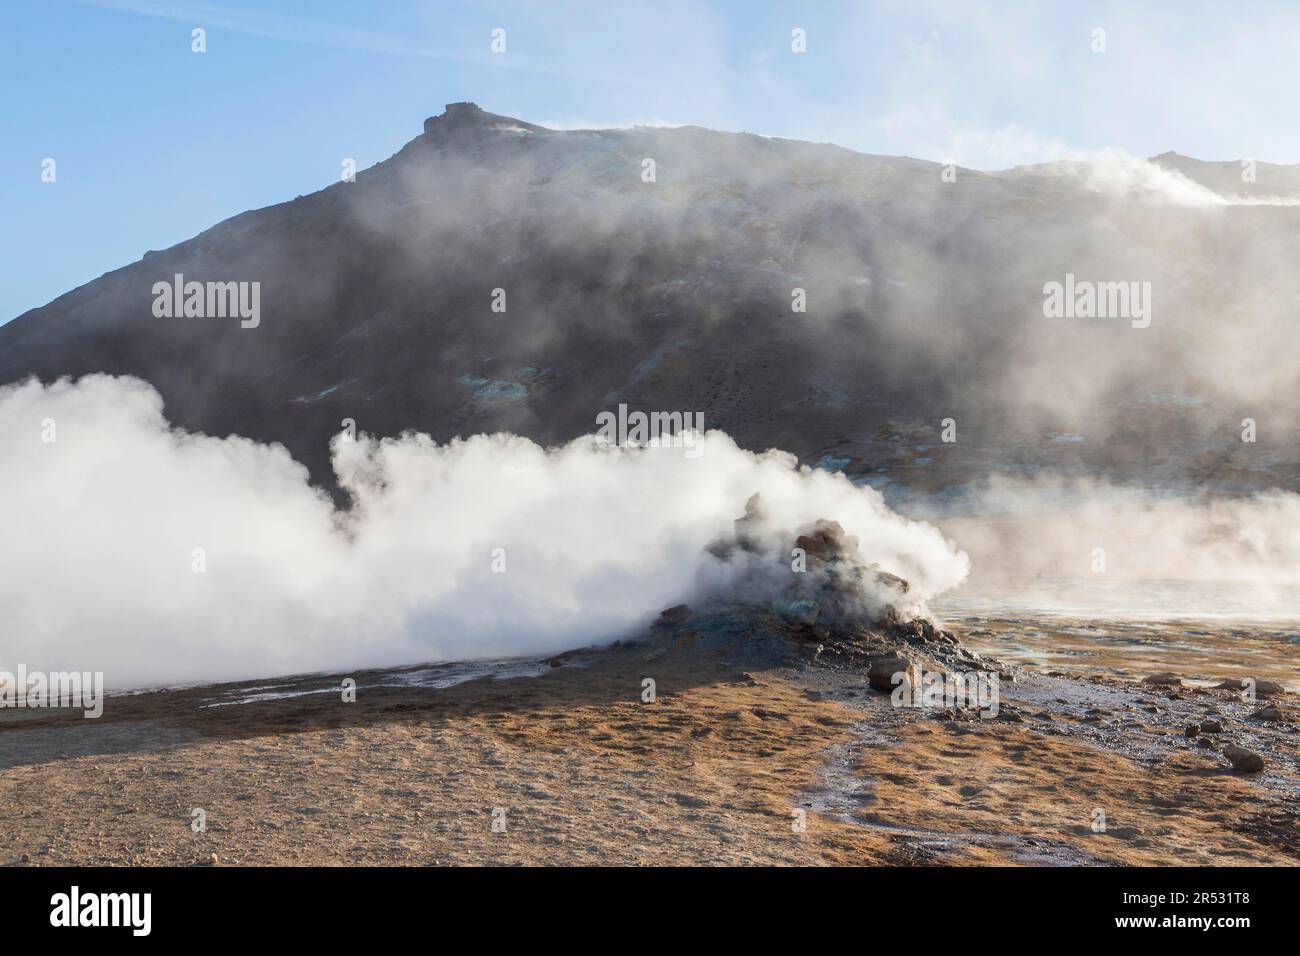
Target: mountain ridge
924, 297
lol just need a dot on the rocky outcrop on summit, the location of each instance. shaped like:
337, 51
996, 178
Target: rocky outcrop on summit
470, 119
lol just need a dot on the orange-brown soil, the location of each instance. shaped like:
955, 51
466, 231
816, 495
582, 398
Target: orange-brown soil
721, 768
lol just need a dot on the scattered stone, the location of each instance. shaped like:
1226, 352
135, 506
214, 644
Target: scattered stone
1243, 760
690, 800
1231, 683
1164, 680
881, 671
1192, 730
1211, 727
1269, 713
25, 858
1205, 743
1263, 688
919, 630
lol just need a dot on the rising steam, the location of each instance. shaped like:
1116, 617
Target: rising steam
1092, 547
102, 526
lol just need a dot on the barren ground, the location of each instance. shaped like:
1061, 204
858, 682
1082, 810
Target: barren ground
713, 771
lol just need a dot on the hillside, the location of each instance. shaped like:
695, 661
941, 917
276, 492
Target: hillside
924, 302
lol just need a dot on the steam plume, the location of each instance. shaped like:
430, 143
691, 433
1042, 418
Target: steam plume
98, 569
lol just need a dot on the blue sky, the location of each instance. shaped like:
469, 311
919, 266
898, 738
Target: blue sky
154, 142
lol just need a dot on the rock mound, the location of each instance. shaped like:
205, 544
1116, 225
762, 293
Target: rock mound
809, 594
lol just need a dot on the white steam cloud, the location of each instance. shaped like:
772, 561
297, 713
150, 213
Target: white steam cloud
1111, 173
102, 526
1094, 548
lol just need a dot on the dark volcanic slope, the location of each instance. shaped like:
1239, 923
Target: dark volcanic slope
924, 302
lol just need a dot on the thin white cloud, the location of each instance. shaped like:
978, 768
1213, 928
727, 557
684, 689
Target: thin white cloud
324, 33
